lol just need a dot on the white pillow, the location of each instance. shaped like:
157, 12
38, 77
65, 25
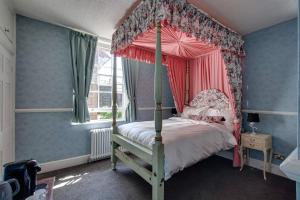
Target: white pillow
225, 113
189, 110
213, 112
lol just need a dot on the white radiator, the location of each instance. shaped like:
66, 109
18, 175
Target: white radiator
100, 143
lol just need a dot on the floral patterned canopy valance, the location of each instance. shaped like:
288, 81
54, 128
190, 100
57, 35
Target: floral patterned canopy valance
179, 15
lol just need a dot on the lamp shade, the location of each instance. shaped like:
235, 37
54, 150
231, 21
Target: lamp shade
253, 117
174, 111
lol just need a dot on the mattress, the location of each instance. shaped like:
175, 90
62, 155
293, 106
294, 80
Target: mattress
186, 141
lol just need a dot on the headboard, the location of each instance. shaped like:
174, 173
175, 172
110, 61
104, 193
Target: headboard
212, 98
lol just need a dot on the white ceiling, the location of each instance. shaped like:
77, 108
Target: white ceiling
94, 16
246, 16
101, 16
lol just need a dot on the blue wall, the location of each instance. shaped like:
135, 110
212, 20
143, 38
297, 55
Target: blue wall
270, 80
145, 88
44, 80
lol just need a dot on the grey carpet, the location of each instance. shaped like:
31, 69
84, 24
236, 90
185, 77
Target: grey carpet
210, 179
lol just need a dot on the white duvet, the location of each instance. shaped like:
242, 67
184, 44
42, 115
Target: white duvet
185, 141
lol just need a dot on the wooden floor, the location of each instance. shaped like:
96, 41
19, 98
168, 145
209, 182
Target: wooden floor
211, 179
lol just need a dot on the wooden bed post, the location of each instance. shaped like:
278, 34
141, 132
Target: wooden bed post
114, 113
158, 147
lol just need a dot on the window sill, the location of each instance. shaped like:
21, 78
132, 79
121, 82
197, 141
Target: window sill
93, 122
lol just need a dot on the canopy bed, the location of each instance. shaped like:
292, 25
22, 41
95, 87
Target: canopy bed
204, 60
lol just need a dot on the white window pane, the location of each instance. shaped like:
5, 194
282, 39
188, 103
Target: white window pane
102, 57
105, 88
105, 70
94, 87
93, 100
119, 64
119, 100
94, 78
119, 73
100, 97
119, 88
105, 80
119, 80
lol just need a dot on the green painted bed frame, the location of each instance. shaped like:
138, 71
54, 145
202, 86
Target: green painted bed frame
154, 156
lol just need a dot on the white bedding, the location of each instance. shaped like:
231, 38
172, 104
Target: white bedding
185, 141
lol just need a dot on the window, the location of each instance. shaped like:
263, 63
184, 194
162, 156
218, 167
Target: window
100, 96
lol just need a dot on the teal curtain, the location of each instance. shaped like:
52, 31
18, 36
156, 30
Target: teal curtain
130, 73
83, 49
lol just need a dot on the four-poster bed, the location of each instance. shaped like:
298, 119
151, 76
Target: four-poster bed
180, 36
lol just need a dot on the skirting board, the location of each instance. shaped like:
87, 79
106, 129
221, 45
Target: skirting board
70, 162
64, 163
255, 163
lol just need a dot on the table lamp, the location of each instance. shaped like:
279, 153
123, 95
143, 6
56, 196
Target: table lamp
252, 119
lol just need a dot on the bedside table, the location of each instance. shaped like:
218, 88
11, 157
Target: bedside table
258, 141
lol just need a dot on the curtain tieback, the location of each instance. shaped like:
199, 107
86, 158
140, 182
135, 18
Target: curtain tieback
132, 99
81, 97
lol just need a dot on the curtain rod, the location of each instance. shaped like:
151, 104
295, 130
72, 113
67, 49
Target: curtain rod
88, 33
82, 31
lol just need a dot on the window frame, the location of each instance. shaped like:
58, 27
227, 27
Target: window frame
98, 91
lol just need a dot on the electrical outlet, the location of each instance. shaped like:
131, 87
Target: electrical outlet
278, 156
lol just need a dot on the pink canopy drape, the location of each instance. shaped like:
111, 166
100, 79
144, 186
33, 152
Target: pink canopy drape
177, 78
209, 72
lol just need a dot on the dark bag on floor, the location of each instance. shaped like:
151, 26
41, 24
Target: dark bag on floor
6, 192
25, 172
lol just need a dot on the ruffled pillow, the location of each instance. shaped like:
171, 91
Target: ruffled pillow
208, 119
226, 113
189, 110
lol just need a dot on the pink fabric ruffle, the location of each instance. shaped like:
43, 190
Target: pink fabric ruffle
138, 54
209, 72
173, 42
177, 77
